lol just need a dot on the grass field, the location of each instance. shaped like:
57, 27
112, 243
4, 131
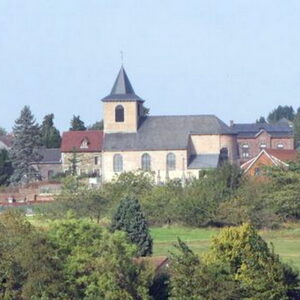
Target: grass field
286, 241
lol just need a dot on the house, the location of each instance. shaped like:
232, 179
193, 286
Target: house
254, 137
82, 150
269, 157
169, 146
50, 164
6, 141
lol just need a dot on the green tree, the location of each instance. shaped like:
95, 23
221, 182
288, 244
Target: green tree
297, 126
96, 126
129, 218
5, 167
261, 120
49, 134
191, 279
73, 163
281, 112
98, 264
24, 151
77, 124
3, 131
257, 270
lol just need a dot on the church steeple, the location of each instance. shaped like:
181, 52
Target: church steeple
122, 89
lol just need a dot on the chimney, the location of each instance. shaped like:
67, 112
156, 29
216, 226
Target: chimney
231, 123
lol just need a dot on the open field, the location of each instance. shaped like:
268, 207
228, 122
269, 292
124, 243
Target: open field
286, 241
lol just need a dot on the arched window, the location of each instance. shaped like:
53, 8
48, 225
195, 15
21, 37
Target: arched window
146, 162
119, 113
171, 161
118, 163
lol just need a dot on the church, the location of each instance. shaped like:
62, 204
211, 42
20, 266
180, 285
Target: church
170, 146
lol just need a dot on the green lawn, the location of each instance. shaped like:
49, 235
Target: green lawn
286, 241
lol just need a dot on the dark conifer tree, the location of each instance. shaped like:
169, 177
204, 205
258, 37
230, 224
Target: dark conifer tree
129, 218
24, 152
49, 134
77, 124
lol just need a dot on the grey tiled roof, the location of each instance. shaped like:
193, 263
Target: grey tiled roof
122, 89
204, 161
251, 129
50, 156
165, 133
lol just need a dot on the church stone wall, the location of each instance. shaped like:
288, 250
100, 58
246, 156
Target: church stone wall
130, 117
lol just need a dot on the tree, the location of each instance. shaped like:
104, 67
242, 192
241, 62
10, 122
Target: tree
129, 218
96, 126
77, 124
73, 163
5, 167
191, 279
281, 112
261, 120
297, 126
49, 134
3, 131
98, 264
257, 270
24, 151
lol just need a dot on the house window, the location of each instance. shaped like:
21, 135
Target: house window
171, 161
96, 160
84, 144
146, 162
119, 113
245, 151
118, 163
280, 146
50, 174
262, 146
257, 172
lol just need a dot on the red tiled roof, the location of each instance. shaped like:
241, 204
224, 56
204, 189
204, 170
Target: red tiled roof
283, 154
72, 140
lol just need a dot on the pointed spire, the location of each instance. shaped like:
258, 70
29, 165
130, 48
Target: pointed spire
122, 84
122, 89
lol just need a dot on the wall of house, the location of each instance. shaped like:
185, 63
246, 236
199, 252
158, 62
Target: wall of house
130, 117
261, 162
45, 169
254, 144
86, 162
132, 162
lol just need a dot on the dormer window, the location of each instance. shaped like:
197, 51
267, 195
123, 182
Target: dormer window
119, 113
84, 144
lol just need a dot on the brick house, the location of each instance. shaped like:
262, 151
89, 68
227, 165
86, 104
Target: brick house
86, 148
269, 157
254, 137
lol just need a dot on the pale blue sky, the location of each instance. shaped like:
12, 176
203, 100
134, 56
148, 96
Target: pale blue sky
235, 59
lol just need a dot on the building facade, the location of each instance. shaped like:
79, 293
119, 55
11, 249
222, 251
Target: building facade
169, 146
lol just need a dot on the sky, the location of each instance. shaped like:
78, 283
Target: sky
237, 59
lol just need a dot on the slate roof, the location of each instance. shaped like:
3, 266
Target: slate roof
71, 140
204, 161
165, 133
50, 156
250, 130
122, 90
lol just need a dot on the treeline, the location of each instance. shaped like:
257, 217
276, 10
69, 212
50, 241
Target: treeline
75, 259
219, 197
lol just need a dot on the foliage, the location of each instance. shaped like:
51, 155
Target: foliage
77, 124
3, 131
261, 120
24, 151
96, 126
281, 112
73, 163
297, 126
97, 264
5, 167
191, 279
257, 270
129, 218
49, 134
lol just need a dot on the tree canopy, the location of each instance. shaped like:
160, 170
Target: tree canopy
77, 124
50, 136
